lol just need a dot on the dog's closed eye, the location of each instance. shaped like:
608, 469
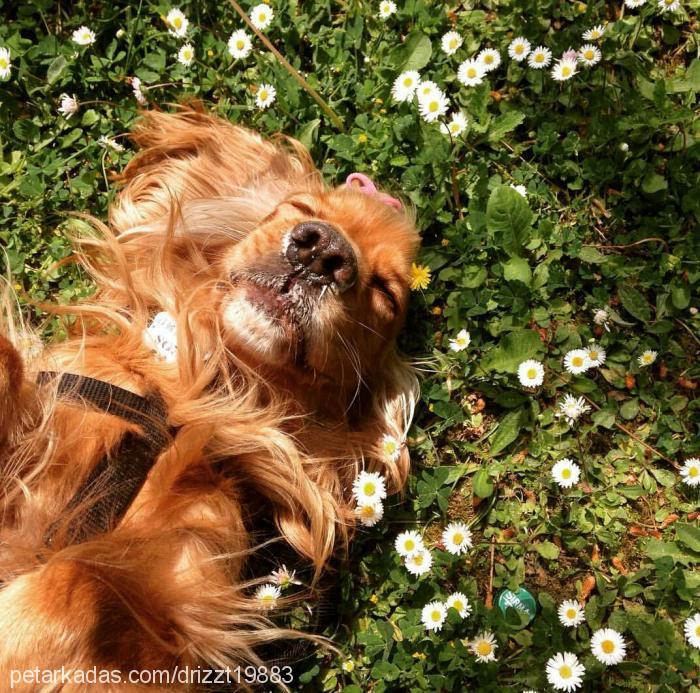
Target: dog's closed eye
381, 286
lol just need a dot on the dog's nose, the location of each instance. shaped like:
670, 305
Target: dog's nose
323, 253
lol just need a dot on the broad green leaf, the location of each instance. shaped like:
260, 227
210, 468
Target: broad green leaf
507, 431
689, 535
504, 123
482, 484
509, 218
653, 183
547, 549
413, 54
517, 269
513, 349
56, 67
634, 303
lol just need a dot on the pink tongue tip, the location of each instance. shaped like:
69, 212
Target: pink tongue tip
361, 182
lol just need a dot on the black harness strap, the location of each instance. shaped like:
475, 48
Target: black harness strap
110, 488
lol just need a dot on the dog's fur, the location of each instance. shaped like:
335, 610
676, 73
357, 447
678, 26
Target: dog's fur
277, 413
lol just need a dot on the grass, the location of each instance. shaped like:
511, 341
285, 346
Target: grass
609, 162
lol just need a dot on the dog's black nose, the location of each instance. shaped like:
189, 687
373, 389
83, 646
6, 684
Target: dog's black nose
322, 252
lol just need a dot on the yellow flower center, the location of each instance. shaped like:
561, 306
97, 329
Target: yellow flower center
434, 105
418, 559
240, 44
693, 471
369, 488
453, 43
488, 59
565, 672
566, 473
177, 22
539, 58
577, 360
519, 48
410, 544
267, 599
457, 604
263, 94
484, 648
3, 63
648, 358
697, 630
471, 72
367, 511
566, 71
407, 82
454, 127
262, 17
458, 538
608, 646
436, 615
593, 355
588, 55
571, 613
531, 373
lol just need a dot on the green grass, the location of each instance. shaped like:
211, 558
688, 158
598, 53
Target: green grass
609, 160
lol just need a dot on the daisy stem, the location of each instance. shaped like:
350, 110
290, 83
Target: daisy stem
290, 69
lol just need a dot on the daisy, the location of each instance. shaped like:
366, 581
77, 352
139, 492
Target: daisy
563, 69
572, 407
519, 49
520, 189
285, 577
239, 44
608, 646
109, 143
391, 448
369, 512
433, 615
185, 55
451, 42
596, 355
69, 105
470, 73
261, 16
601, 317
420, 277
589, 55
405, 85
484, 647
489, 58
268, 595
690, 471
576, 361
407, 543
457, 538
433, 107
386, 9
456, 126
266, 96
595, 33
459, 601
138, 93
669, 5
540, 58
427, 90
461, 341
177, 23
566, 473
647, 358
571, 613
633, 4
83, 36
419, 562
348, 666
369, 487
531, 373
565, 672
691, 626
5, 63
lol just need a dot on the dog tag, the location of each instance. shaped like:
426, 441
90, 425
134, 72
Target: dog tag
161, 336
521, 600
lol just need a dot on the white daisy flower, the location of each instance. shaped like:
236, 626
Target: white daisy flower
566, 473
490, 58
391, 448
5, 63
369, 487
519, 49
185, 55
589, 55
457, 538
647, 358
419, 562
531, 373
690, 472
177, 22
261, 16
608, 646
456, 126
669, 5
484, 647
427, 90
691, 627
451, 42
265, 96
405, 85
571, 614
267, 595
470, 73
284, 577
633, 4
408, 543
540, 58
386, 9
69, 105
520, 189
433, 615
433, 107
369, 512
461, 341
459, 601
601, 316
83, 36
596, 355
138, 93
563, 69
565, 672
239, 44
595, 33
571, 408
576, 361
109, 143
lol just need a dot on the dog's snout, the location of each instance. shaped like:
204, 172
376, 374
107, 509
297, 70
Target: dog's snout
323, 253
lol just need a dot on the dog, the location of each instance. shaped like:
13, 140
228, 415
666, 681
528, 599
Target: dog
284, 298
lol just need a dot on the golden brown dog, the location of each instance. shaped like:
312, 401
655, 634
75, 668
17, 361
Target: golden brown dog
288, 297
